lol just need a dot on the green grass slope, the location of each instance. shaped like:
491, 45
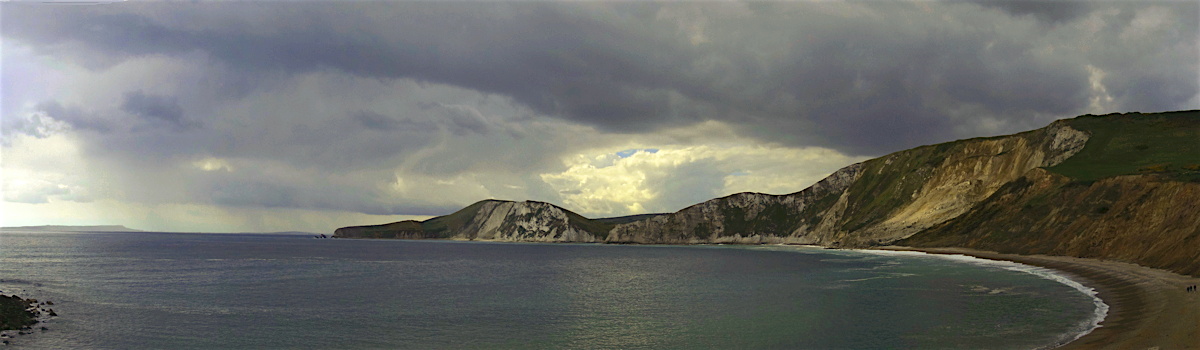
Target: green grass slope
446, 225
402, 229
1134, 143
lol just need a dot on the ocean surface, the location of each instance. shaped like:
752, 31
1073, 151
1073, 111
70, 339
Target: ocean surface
206, 291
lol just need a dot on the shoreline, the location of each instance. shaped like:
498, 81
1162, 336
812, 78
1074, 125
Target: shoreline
1148, 308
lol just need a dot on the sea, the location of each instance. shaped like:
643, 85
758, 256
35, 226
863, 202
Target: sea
151, 290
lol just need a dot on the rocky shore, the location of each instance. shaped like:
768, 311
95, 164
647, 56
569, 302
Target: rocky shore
22, 316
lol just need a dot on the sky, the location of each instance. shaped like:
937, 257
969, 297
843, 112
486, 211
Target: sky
264, 116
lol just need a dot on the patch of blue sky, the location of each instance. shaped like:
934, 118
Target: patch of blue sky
630, 152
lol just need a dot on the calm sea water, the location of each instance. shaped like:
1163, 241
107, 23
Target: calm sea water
171, 290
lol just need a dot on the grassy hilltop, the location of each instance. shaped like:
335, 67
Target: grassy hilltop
1167, 144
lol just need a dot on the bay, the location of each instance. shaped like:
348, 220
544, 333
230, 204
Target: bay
204, 291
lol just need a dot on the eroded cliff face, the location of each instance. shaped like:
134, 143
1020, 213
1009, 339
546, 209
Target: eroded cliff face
938, 183
1131, 194
527, 221
1143, 219
742, 218
492, 220
875, 202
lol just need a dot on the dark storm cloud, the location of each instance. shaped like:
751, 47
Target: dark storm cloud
1159, 64
43, 121
376, 121
76, 117
464, 121
858, 84
1050, 11
559, 61
156, 110
459, 121
865, 78
235, 191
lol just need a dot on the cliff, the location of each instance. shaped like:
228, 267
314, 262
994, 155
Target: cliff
743, 217
877, 201
1143, 219
497, 220
1132, 194
1119, 186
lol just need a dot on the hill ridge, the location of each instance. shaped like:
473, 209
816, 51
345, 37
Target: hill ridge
1121, 186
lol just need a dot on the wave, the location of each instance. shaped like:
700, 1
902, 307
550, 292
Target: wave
883, 276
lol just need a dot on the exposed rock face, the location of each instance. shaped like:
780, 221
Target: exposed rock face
496, 220
522, 221
877, 201
938, 183
1122, 186
741, 218
1136, 218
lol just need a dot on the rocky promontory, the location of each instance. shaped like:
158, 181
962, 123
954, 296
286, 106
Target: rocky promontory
496, 220
17, 313
21, 315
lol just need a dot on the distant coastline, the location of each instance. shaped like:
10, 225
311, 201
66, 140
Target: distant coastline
71, 228
121, 228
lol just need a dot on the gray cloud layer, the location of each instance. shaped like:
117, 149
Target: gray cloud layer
446, 89
818, 72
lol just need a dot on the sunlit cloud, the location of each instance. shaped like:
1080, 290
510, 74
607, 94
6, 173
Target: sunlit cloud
213, 164
636, 181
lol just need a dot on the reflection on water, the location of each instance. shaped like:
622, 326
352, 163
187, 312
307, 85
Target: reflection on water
154, 290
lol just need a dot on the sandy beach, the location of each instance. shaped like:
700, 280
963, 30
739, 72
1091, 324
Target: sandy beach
1149, 308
